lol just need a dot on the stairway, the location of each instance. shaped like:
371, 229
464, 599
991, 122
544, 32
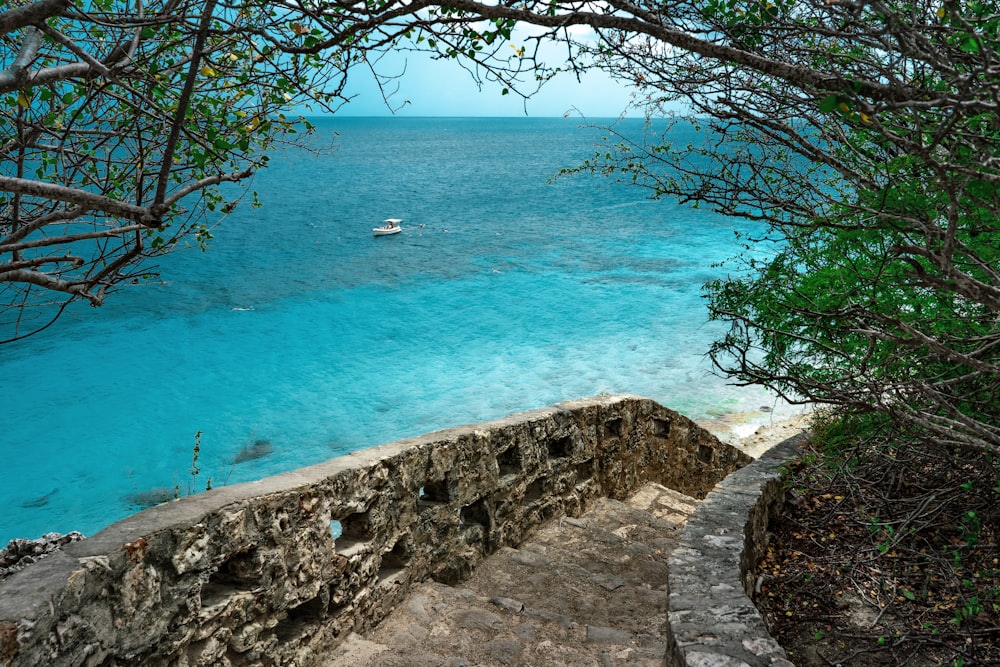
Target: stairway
578, 592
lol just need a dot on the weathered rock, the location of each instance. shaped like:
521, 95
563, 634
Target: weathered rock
563, 614
476, 619
598, 634
253, 573
713, 622
20, 553
508, 604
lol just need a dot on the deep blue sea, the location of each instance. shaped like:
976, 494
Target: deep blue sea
504, 292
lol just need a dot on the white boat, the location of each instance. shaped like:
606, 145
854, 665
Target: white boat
391, 226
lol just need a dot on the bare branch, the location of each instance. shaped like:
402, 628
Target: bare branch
139, 214
31, 14
51, 283
16, 74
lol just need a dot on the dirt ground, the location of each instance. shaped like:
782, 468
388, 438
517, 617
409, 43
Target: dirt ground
887, 556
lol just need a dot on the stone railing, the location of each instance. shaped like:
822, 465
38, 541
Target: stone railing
712, 619
278, 571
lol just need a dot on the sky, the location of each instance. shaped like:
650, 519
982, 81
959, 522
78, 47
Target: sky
442, 88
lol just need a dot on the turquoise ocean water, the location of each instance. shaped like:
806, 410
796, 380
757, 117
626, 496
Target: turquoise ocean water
503, 293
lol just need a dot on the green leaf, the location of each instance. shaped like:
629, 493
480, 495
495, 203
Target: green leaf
829, 103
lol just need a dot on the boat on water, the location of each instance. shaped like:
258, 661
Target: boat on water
391, 226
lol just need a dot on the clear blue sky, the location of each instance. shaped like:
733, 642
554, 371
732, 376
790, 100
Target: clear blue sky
443, 88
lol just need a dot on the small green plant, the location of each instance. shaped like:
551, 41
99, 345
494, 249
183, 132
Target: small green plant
884, 533
970, 528
969, 610
156, 495
194, 460
194, 471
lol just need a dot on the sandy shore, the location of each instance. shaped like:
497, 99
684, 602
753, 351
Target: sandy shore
756, 432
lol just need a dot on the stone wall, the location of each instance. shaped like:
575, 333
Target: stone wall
712, 619
278, 571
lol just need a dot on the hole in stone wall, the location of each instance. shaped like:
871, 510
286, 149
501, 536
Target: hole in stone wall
613, 427
240, 568
394, 561
301, 617
240, 572
356, 533
660, 427
560, 448
705, 453
535, 490
452, 571
584, 471
476, 513
546, 512
509, 462
435, 492
213, 593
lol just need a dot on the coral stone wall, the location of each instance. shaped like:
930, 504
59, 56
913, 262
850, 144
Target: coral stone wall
713, 571
278, 571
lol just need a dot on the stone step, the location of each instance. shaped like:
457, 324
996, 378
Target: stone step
580, 591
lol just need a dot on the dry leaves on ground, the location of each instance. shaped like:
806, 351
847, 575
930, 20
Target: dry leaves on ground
886, 555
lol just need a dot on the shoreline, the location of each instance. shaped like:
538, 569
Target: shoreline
756, 432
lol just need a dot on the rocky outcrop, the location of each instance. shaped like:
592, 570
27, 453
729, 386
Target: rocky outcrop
19, 554
279, 571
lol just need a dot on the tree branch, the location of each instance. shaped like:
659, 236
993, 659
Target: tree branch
33, 14
139, 214
69, 238
14, 76
51, 283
